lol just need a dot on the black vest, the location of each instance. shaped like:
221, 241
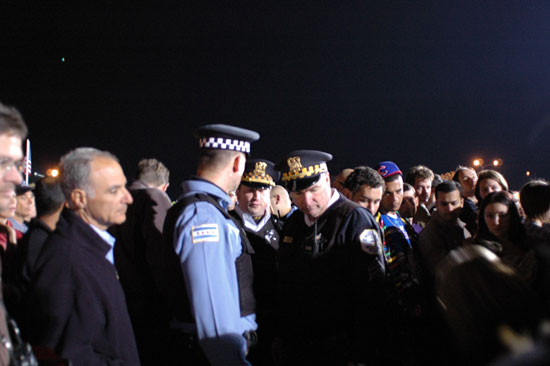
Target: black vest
243, 263
265, 243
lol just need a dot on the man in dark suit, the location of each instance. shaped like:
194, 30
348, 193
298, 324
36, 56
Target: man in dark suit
139, 259
77, 304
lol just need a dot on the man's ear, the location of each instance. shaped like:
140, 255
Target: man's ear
79, 198
238, 163
164, 187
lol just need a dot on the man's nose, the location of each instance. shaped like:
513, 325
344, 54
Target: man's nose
127, 197
13, 176
307, 198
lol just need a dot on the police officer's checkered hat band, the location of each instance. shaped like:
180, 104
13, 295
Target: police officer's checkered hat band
224, 144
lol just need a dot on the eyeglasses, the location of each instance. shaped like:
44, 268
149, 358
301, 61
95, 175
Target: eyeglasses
7, 164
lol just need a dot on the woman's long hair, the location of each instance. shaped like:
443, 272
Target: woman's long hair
516, 231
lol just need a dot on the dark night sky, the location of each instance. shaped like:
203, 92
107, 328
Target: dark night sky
413, 82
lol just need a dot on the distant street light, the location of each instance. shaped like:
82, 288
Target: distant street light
478, 163
52, 172
528, 173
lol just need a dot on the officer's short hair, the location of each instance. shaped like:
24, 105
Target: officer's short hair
153, 172
11, 122
216, 159
75, 168
363, 175
48, 196
448, 186
419, 171
535, 199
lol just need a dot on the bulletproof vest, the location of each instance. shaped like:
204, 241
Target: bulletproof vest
243, 263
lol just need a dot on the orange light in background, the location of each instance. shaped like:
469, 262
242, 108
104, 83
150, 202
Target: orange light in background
477, 162
497, 162
528, 173
52, 172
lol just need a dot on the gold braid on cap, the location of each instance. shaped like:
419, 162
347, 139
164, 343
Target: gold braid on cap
297, 171
258, 175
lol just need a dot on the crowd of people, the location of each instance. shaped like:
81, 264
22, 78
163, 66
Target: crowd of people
268, 263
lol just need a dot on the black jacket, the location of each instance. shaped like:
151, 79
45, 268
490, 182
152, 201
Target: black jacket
77, 305
330, 277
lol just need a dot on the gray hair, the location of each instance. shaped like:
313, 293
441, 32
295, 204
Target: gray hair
75, 168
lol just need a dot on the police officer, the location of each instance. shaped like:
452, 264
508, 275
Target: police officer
212, 248
330, 265
253, 211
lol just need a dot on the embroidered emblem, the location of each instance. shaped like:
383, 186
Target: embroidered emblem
205, 233
259, 169
294, 163
370, 241
288, 239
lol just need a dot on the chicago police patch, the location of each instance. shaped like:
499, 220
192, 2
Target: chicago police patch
205, 233
370, 241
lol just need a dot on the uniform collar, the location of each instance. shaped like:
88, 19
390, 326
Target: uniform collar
250, 224
202, 185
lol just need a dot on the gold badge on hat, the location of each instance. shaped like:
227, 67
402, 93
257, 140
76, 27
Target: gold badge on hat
294, 163
259, 169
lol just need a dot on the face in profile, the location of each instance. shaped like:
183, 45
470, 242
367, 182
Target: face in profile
253, 200
9, 211
487, 186
497, 219
409, 204
10, 155
108, 198
313, 201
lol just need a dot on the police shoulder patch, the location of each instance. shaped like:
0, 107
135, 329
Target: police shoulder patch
370, 241
205, 233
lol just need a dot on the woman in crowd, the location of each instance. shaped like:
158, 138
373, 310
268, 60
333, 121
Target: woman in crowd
501, 230
489, 181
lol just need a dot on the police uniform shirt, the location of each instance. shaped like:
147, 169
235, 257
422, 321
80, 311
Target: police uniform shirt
208, 244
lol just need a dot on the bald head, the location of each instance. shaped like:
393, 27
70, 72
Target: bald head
280, 201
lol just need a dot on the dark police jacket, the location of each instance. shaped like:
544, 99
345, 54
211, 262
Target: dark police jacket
328, 272
265, 243
77, 306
